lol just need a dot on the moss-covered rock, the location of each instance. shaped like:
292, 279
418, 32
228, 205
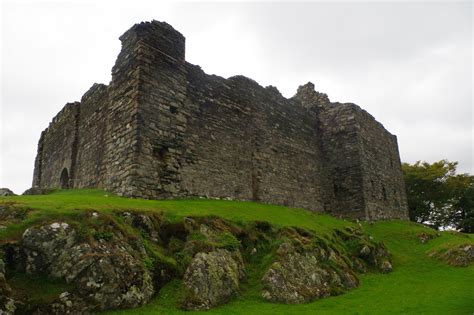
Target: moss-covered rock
7, 304
458, 256
120, 259
376, 256
364, 252
12, 213
147, 224
212, 279
425, 237
307, 273
308, 267
104, 275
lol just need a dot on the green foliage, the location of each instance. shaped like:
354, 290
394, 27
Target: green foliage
103, 235
197, 236
157, 255
229, 241
224, 240
438, 196
175, 244
38, 289
463, 217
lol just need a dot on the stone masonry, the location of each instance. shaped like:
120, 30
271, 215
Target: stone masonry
163, 128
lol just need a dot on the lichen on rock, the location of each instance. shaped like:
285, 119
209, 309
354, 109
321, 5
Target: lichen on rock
7, 304
101, 262
212, 279
457, 256
104, 275
304, 274
308, 267
364, 252
376, 256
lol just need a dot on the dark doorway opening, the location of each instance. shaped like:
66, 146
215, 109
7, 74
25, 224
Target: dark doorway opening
64, 179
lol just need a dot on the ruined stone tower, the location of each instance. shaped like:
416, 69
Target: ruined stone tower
163, 128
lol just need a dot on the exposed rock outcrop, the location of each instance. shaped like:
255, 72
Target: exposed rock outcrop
212, 279
4, 192
147, 224
376, 256
364, 252
459, 256
304, 274
7, 304
11, 213
120, 259
104, 275
308, 267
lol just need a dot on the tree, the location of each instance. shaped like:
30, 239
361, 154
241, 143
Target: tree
462, 198
438, 196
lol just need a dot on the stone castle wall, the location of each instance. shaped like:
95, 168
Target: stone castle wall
363, 162
90, 167
57, 148
384, 188
163, 128
249, 142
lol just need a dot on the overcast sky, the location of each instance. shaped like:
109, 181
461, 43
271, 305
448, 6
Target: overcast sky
407, 63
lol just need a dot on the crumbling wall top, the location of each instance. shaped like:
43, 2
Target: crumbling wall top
159, 35
309, 97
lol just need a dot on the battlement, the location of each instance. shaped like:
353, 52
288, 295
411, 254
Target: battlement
163, 128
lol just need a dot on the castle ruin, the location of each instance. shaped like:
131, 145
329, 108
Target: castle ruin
163, 128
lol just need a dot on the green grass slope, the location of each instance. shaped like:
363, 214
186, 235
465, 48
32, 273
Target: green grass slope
419, 284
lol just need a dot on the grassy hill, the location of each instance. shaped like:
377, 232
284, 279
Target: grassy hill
419, 284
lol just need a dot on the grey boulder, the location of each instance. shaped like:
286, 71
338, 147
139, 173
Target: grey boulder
212, 279
104, 275
4, 192
302, 275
